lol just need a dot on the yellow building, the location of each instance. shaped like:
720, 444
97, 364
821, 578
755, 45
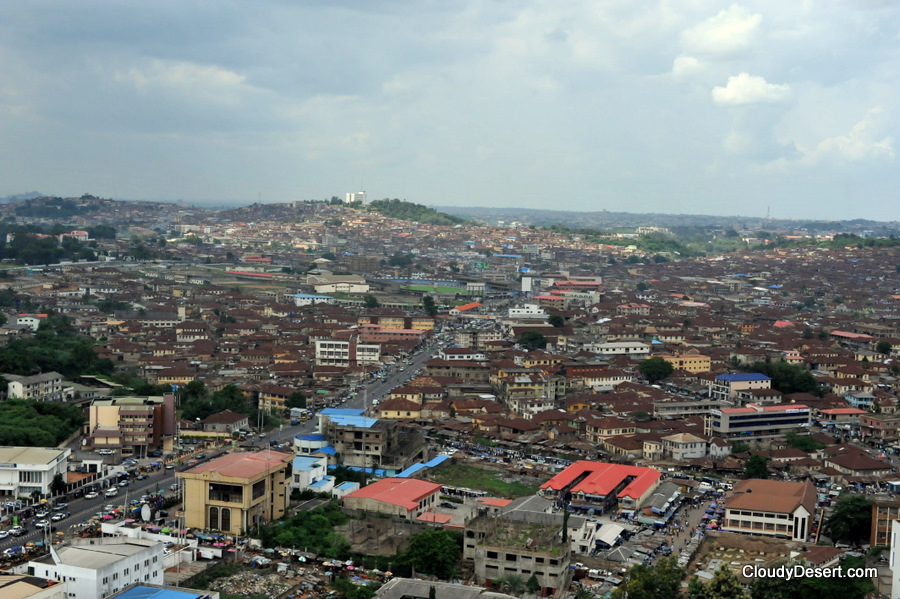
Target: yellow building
694, 363
235, 492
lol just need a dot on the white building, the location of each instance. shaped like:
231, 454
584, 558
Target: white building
358, 197
346, 352
33, 321
47, 386
311, 473
633, 349
24, 470
97, 568
308, 299
22, 586
528, 311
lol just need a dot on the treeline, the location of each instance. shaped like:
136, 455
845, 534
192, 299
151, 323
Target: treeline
27, 423
29, 245
404, 210
56, 346
54, 208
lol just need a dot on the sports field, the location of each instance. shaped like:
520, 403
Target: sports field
433, 289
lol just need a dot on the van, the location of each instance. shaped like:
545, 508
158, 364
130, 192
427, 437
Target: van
111, 492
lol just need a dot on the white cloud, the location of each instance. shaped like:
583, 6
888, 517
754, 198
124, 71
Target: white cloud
686, 66
731, 30
749, 89
179, 74
862, 143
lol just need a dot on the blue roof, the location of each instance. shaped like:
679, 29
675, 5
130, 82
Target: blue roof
342, 412
437, 460
743, 376
411, 470
310, 296
306, 463
347, 485
142, 592
310, 437
357, 421
322, 482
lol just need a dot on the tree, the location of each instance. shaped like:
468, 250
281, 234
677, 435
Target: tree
723, 585
788, 378
429, 306
532, 340
432, 551
835, 587
432, 592
883, 347
802, 442
756, 467
58, 484
662, 581
533, 585
295, 400
370, 301
642, 286
851, 519
556, 320
655, 369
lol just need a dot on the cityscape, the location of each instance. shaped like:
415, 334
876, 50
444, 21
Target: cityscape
379, 399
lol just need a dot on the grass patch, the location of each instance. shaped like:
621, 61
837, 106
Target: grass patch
479, 479
433, 289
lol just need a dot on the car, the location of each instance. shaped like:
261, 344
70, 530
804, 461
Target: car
111, 492
141, 477
4, 534
105, 451
156, 453
174, 486
123, 483
58, 516
40, 514
449, 505
61, 507
92, 495
108, 507
42, 523
170, 466
201, 456
17, 531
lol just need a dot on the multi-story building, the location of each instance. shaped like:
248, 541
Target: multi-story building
754, 421
346, 352
131, 424
369, 443
632, 349
92, 568
23, 586
602, 487
311, 473
502, 548
878, 428
885, 510
237, 491
725, 387
407, 498
695, 363
40, 387
771, 508
26, 470
477, 338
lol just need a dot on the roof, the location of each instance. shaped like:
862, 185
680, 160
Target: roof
468, 306
96, 556
224, 417
776, 496
30, 455
243, 465
155, 592
402, 492
302, 463
601, 478
743, 377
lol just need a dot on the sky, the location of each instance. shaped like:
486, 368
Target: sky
681, 106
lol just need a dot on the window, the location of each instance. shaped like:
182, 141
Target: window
226, 519
492, 554
213, 518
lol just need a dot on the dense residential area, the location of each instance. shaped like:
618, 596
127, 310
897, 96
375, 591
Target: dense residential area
333, 399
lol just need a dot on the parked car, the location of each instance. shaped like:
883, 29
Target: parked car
111, 492
17, 531
92, 495
4, 534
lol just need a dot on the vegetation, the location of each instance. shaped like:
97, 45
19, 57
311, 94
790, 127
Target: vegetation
29, 423
655, 369
556, 321
851, 519
756, 467
198, 403
313, 531
429, 306
788, 378
348, 590
802, 442
662, 581
433, 551
55, 208
56, 346
532, 340
843, 587
460, 475
404, 210
723, 585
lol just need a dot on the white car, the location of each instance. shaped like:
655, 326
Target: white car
112, 492
92, 495
41, 523
4, 534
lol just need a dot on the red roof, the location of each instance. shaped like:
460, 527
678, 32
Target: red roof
843, 411
601, 478
244, 465
465, 307
403, 492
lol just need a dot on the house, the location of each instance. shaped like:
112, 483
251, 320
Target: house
406, 498
225, 421
46, 386
602, 486
771, 508
684, 446
311, 472
726, 386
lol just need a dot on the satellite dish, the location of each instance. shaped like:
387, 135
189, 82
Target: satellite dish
145, 513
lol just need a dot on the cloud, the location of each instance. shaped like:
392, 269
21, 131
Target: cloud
731, 30
686, 66
862, 143
749, 89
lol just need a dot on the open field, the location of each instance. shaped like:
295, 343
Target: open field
433, 289
495, 482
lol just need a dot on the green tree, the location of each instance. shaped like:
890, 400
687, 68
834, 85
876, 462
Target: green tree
295, 400
432, 551
851, 519
556, 321
836, 587
642, 286
802, 442
788, 378
533, 585
58, 484
883, 347
429, 306
756, 467
723, 585
655, 369
662, 581
370, 301
432, 592
532, 340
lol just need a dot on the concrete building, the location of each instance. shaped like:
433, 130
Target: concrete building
132, 425
370, 443
237, 491
347, 352
894, 559
411, 588
25, 470
726, 386
407, 498
47, 386
602, 487
755, 421
225, 421
97, 568
311, 473
885, 510
22, 586
771, 508
153, 591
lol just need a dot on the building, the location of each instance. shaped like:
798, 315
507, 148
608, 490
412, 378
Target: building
894, 559
23, 586
695, 363
412, 588
237, 491
357, 197
755, 421
225, 421
97, 568
602, 486
684, 446
26, 470
631, 349
152, 591
132, 425
771, 508
725, 387
39, 387
885, 510
406, 498
347, 352
308, 299
502, 548
311, 473
370, 443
